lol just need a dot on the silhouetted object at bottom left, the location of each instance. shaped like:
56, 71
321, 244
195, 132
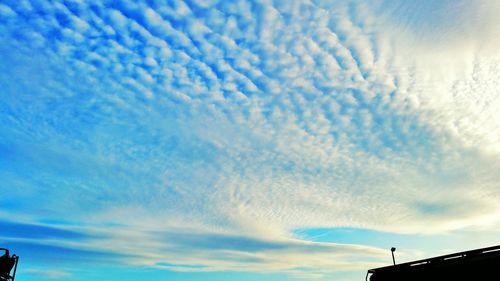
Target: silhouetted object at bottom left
7, 264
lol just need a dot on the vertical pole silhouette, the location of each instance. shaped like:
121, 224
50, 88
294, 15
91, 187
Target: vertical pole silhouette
15, 267
392, 252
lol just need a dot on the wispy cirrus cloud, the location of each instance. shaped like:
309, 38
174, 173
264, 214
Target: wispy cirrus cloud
48, 274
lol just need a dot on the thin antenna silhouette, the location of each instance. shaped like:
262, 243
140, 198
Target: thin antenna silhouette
392, 252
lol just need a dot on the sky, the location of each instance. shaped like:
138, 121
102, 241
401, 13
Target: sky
246, 140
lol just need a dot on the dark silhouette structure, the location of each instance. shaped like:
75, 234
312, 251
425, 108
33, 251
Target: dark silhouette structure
475, 265
392, 253
7, 263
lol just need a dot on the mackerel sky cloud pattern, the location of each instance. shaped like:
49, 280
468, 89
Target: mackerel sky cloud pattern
214, 136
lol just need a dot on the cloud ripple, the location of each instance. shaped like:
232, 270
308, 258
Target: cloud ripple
244, 120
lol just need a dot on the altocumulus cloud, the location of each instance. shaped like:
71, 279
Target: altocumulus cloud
208, 131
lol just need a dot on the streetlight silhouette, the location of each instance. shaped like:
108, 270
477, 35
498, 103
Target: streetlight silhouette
392, 252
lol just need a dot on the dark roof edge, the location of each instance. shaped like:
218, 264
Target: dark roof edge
437, 259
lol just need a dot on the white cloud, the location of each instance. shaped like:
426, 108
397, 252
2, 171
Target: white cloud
255, 118
48, 274
6, 11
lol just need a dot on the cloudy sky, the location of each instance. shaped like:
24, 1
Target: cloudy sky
246, 140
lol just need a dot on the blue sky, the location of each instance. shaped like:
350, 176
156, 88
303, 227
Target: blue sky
246, 140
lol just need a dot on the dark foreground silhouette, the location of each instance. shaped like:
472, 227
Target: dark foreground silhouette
7, 263
475, 265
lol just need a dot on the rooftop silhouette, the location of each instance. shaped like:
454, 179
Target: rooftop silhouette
468, 265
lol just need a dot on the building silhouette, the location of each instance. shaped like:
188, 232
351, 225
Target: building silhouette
475, 265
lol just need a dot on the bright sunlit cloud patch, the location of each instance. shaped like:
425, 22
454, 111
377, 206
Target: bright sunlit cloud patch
209, 132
